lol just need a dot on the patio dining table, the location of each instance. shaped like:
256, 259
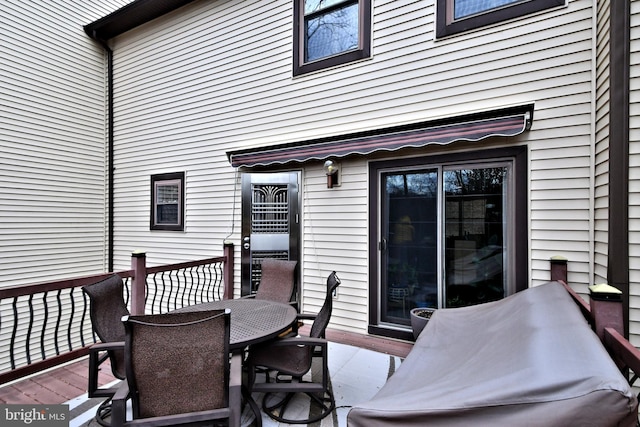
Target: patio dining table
252, 321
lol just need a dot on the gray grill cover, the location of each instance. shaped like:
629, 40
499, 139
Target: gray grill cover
527, 360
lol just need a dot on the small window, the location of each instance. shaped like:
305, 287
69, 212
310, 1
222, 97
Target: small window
167, 201
329, 33
455, 16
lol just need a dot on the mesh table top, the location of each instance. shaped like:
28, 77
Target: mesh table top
252, 321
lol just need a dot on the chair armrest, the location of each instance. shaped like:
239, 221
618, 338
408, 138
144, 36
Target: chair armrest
301, 341
104, 346
299, 318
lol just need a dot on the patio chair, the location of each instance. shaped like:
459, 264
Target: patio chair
107, 307
179, 371
277, 282
291, 358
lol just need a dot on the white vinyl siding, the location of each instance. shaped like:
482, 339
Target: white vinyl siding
52, 141
52, 156
634, 177
216, 76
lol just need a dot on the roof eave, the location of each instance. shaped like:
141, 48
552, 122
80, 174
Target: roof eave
131, 16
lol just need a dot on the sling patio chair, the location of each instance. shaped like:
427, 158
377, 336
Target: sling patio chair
277, 282
291, 358
107, 307
179, 371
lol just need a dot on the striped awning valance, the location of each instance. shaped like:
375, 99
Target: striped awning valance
468, 128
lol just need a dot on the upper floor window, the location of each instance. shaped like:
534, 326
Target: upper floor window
329, 33
455, 16
167, 201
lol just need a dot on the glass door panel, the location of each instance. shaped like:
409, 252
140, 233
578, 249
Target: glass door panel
409, 245
475, 229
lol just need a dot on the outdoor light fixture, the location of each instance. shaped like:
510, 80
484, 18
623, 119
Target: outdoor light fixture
331, 168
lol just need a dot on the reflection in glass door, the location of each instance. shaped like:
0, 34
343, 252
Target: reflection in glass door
444, 237
475, 229
409, 257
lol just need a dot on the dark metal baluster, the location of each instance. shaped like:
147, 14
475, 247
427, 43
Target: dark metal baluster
82, 318
57, 328
219, 269
182, 289
155, 293
183, 286
127, 291
27, 343
44, 324
197, 280
162, 293
204, 293
146, 291
14, 333
170, 291
213, 277
72, 315
193, 290
207, 292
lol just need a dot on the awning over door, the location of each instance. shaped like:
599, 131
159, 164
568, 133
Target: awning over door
475, 127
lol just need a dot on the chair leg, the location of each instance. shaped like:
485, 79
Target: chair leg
95, 360
103, 412
248, 400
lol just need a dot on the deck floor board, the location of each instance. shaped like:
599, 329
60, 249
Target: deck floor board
69, 381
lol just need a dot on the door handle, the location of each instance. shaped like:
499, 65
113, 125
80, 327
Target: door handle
383, 245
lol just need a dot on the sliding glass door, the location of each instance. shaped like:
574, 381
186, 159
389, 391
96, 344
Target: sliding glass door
446, 236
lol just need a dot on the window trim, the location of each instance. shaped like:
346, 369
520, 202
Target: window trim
167, 178
364, 37
520, 268
445, 25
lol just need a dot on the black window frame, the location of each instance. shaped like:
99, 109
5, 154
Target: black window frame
299, 39
446, 25
158, 180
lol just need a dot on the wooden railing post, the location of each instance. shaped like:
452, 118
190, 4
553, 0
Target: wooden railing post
606, 308
228, 270
139, 282
559, 268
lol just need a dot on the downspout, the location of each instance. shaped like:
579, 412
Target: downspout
618, 247
110, 168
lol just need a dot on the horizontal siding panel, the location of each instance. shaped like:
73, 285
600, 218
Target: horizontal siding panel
52, 141
555, 225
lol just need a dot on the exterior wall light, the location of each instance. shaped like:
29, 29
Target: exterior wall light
332, 168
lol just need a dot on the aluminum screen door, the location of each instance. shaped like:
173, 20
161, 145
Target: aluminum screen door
270, 223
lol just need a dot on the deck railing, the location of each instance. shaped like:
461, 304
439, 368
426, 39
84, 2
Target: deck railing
47, 324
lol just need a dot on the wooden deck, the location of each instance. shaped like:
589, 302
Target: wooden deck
51, 387
64, 383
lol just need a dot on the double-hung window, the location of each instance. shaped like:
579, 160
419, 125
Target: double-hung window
329, 33
455, 16
167, 201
